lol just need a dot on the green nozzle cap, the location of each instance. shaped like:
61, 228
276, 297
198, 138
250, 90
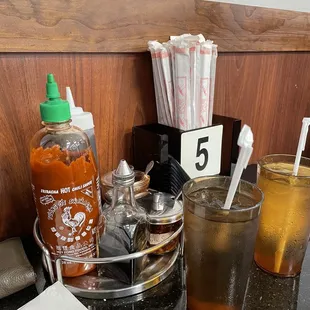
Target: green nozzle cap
54, 110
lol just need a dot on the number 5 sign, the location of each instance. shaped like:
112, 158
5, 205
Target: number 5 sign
201, 151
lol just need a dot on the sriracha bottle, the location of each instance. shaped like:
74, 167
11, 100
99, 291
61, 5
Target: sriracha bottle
65, 184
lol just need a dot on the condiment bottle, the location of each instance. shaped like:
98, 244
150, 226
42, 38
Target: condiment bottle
83, 120
125, 228
164, 215
65, 184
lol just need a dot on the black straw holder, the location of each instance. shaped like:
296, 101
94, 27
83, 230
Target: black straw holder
156, 142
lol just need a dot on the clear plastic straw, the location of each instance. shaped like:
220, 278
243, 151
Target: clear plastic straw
245, 141
301, 143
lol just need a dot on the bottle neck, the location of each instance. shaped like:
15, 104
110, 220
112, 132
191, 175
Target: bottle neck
123, 195
57, 126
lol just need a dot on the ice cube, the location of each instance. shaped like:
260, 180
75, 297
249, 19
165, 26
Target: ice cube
217, 203
210, 197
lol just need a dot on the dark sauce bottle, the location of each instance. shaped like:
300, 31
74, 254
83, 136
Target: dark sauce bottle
125, 229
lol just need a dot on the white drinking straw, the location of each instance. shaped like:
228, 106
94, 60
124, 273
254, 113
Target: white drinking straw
301, 143
245, 141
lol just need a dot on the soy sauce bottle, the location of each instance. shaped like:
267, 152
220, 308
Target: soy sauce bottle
125, 228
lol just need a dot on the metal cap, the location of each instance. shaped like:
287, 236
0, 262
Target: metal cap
161, 208
123, 175
157, 204
168, 215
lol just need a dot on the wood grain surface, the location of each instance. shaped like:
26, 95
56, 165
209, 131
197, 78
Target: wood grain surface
268, 91
126, 25
117, 89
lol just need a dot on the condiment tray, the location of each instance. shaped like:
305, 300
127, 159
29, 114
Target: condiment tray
93, 286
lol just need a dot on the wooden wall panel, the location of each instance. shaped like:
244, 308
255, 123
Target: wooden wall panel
117, 89
268, 91
126, 25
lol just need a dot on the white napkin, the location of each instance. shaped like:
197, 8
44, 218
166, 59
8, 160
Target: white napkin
55, 297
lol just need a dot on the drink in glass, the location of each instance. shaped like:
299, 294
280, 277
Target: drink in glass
219, 244
285, 220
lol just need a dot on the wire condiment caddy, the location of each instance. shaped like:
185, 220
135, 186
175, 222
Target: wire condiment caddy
93, 286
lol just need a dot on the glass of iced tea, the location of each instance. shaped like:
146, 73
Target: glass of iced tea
285, 218
219, 244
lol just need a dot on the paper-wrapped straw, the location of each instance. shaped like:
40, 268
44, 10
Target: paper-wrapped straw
182, 86
160, 54
170, 48
204, 83
212, 84
193, 44
165, 59
184, 79
193, 84
197, 88
158, 93
161, 98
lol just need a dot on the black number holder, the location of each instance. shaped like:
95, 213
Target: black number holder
156, 142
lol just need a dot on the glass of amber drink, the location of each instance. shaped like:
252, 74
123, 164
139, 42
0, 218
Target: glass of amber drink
285, 218
219, 244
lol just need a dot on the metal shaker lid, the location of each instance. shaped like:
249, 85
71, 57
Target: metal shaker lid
123, 175
161, 208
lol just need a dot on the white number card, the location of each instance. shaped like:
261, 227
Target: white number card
201, 151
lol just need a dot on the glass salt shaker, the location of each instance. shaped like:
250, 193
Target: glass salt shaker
125, 228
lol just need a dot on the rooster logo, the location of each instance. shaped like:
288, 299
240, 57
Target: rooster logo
76, 221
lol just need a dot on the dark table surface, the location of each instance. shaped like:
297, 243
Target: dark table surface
264, 291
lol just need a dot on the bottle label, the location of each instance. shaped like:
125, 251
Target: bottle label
69, 217
158, 238
65, 189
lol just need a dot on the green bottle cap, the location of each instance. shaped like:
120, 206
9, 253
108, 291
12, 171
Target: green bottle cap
54, 110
